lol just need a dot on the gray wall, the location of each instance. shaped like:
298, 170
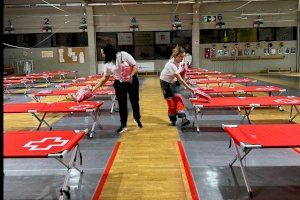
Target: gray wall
45, 64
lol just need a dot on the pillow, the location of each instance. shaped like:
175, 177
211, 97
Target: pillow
203, 95
83, 94
126, 70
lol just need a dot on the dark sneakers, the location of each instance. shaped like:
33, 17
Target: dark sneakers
173, 123
122, 129
185, 122
138, 123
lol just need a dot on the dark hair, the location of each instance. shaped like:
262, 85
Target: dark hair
110, 53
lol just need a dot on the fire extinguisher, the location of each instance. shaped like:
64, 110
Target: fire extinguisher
207, 53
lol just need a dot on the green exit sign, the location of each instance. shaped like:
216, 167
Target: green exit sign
209, 18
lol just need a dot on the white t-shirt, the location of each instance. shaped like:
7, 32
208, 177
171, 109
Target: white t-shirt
169, 71
114, 69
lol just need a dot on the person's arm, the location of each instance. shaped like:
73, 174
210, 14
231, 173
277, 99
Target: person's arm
179, 78
101, 82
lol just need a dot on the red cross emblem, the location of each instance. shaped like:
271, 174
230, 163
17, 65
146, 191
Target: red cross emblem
45, 144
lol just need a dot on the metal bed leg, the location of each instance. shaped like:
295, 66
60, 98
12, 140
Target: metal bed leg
113, 98
247, 113
297, 112
41, 121
65, 189
197, 110
239, 158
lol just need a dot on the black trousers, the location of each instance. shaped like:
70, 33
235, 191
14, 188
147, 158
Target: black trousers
132, 89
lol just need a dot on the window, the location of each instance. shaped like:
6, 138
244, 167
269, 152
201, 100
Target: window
227, 35
266, 34
246, 35
209, 36
284, 33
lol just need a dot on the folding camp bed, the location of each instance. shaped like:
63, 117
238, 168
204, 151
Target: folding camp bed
249, 137
248, 103
203, 73
194, 69
221, 82
242, 90
46, 144
91, 107
83, 84
63, 73
26, 82
37, 96
212, 76
92, 78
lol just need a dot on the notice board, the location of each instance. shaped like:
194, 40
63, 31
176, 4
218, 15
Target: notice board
71, 55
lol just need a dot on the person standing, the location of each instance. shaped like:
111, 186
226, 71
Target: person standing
124, 69
168, 77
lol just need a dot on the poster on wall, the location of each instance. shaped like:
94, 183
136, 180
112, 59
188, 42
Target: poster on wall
293, 50
162, 38
47, 54
286, 50
125, 39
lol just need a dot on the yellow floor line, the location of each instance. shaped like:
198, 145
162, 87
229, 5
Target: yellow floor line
148, 164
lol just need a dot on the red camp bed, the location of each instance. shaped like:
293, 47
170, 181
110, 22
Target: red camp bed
194, 69
91, 78
46, 144
221, 82
203, 73
26, 82
91, 107
37, 96
83, 84
248, 103
242, 90
262, 136
212, 76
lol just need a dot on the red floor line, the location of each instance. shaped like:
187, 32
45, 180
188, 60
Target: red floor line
188, 172
106, 172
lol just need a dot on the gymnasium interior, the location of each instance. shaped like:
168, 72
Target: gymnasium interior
243, 140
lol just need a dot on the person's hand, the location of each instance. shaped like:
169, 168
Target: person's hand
128, 79
193, 91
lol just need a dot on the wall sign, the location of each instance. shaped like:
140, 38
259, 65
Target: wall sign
209, 18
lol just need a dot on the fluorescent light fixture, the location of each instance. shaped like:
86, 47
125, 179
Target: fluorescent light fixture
46, 5
97, 4
74, 4
262, 14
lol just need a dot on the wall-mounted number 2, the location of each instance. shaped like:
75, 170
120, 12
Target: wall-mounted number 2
46, 21
83, 20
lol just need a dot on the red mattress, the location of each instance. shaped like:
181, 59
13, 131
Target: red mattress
246, 101
230, 80
268, 136
86, 106
242, 89
67, 92
39, 144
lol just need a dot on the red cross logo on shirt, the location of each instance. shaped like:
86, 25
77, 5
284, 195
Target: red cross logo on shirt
45, 144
